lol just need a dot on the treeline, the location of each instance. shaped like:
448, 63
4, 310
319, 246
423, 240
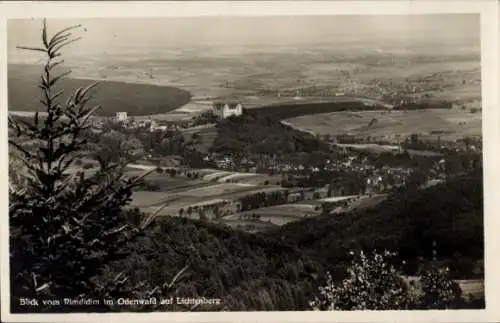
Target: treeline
446, 218
263, 199
285, 111
425, 105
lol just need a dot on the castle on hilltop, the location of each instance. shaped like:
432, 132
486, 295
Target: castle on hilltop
226, 109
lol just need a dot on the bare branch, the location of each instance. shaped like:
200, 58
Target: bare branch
55, 96
21, 149
177, 276
32, 48
44, 286
80, 95
58, 34
50, 66
59, 40
44, 34
153, 215
54, 52
120, 229
90, 113
57, 78
138, 178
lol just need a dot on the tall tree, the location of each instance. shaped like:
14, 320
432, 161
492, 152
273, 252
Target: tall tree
64, 226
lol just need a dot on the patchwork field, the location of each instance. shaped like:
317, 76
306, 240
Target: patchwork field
279, 214
180, 192
282, 214
451, 123
215, 187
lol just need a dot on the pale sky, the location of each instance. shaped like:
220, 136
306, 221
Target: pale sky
115, 35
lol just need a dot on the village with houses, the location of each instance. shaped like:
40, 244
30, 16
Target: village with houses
352, 171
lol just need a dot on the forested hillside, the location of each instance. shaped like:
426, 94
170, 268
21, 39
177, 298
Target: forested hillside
282, 268
258, 134
248, 272
447, 218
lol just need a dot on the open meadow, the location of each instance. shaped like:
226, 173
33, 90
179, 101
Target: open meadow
448, 123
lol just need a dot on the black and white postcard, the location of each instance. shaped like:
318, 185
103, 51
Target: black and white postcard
299, 161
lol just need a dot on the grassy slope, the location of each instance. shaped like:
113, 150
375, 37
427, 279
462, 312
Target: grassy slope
135, 99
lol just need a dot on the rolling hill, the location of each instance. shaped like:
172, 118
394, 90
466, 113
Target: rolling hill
254, 132
135, 99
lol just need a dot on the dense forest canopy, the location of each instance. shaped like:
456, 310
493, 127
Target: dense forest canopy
254, 133
135, 99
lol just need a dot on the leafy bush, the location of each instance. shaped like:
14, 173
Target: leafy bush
373, 283
438, 290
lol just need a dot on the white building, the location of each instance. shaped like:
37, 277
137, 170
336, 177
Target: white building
225, 110
121, 116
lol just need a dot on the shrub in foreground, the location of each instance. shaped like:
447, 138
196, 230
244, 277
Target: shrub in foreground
373, 283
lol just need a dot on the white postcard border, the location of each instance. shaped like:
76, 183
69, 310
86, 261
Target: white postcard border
489, 11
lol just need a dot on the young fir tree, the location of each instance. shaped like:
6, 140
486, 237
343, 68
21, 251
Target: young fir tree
66, 226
